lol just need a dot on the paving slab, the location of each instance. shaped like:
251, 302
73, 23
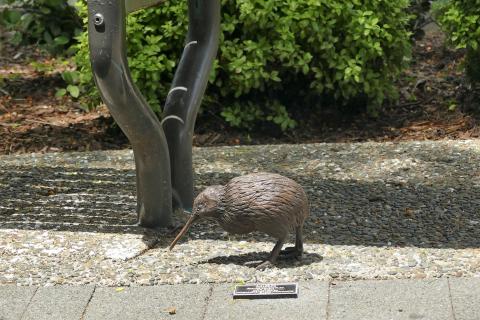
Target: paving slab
14, 301
63, 302
465, 295
156, 302
311, 304
387, 300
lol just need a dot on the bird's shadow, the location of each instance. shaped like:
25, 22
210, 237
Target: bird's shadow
253, 259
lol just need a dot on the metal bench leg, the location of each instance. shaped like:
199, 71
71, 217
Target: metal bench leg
185, 96
106, 32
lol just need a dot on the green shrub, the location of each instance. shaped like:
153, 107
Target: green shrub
461, 21
275, 56
50, 23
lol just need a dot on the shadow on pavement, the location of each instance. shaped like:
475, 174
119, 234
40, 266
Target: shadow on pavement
252, 259
436, 212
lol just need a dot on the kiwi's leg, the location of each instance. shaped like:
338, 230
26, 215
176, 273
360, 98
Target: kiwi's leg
273, 255
297, 251
299, 240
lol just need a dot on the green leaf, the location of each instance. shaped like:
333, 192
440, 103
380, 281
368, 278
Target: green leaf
45, 10
67, 76
60, 92
26, 20
61, 40
47, 37
71, 77
13, 16
73, 90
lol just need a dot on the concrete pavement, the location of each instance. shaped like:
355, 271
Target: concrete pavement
437, 299
378, 211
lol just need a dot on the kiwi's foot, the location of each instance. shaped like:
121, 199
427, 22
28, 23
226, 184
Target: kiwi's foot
288, 250
265, 265
291, 253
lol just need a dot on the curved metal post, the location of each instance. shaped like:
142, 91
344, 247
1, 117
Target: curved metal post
185, 96
106, 32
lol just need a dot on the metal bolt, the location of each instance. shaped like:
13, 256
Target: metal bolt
98, 19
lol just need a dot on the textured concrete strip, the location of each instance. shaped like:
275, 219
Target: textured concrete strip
378, 211
63, 302
14, 301
311, 304
386, 300
156, 302
465, 295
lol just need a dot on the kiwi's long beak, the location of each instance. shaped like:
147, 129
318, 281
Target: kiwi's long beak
184, 230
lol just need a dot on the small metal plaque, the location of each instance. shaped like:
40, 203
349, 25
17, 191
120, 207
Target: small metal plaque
266, 291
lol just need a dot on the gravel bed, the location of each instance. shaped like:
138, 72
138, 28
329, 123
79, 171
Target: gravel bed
378, 211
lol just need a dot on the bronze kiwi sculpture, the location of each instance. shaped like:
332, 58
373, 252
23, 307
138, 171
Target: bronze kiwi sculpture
264, 202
